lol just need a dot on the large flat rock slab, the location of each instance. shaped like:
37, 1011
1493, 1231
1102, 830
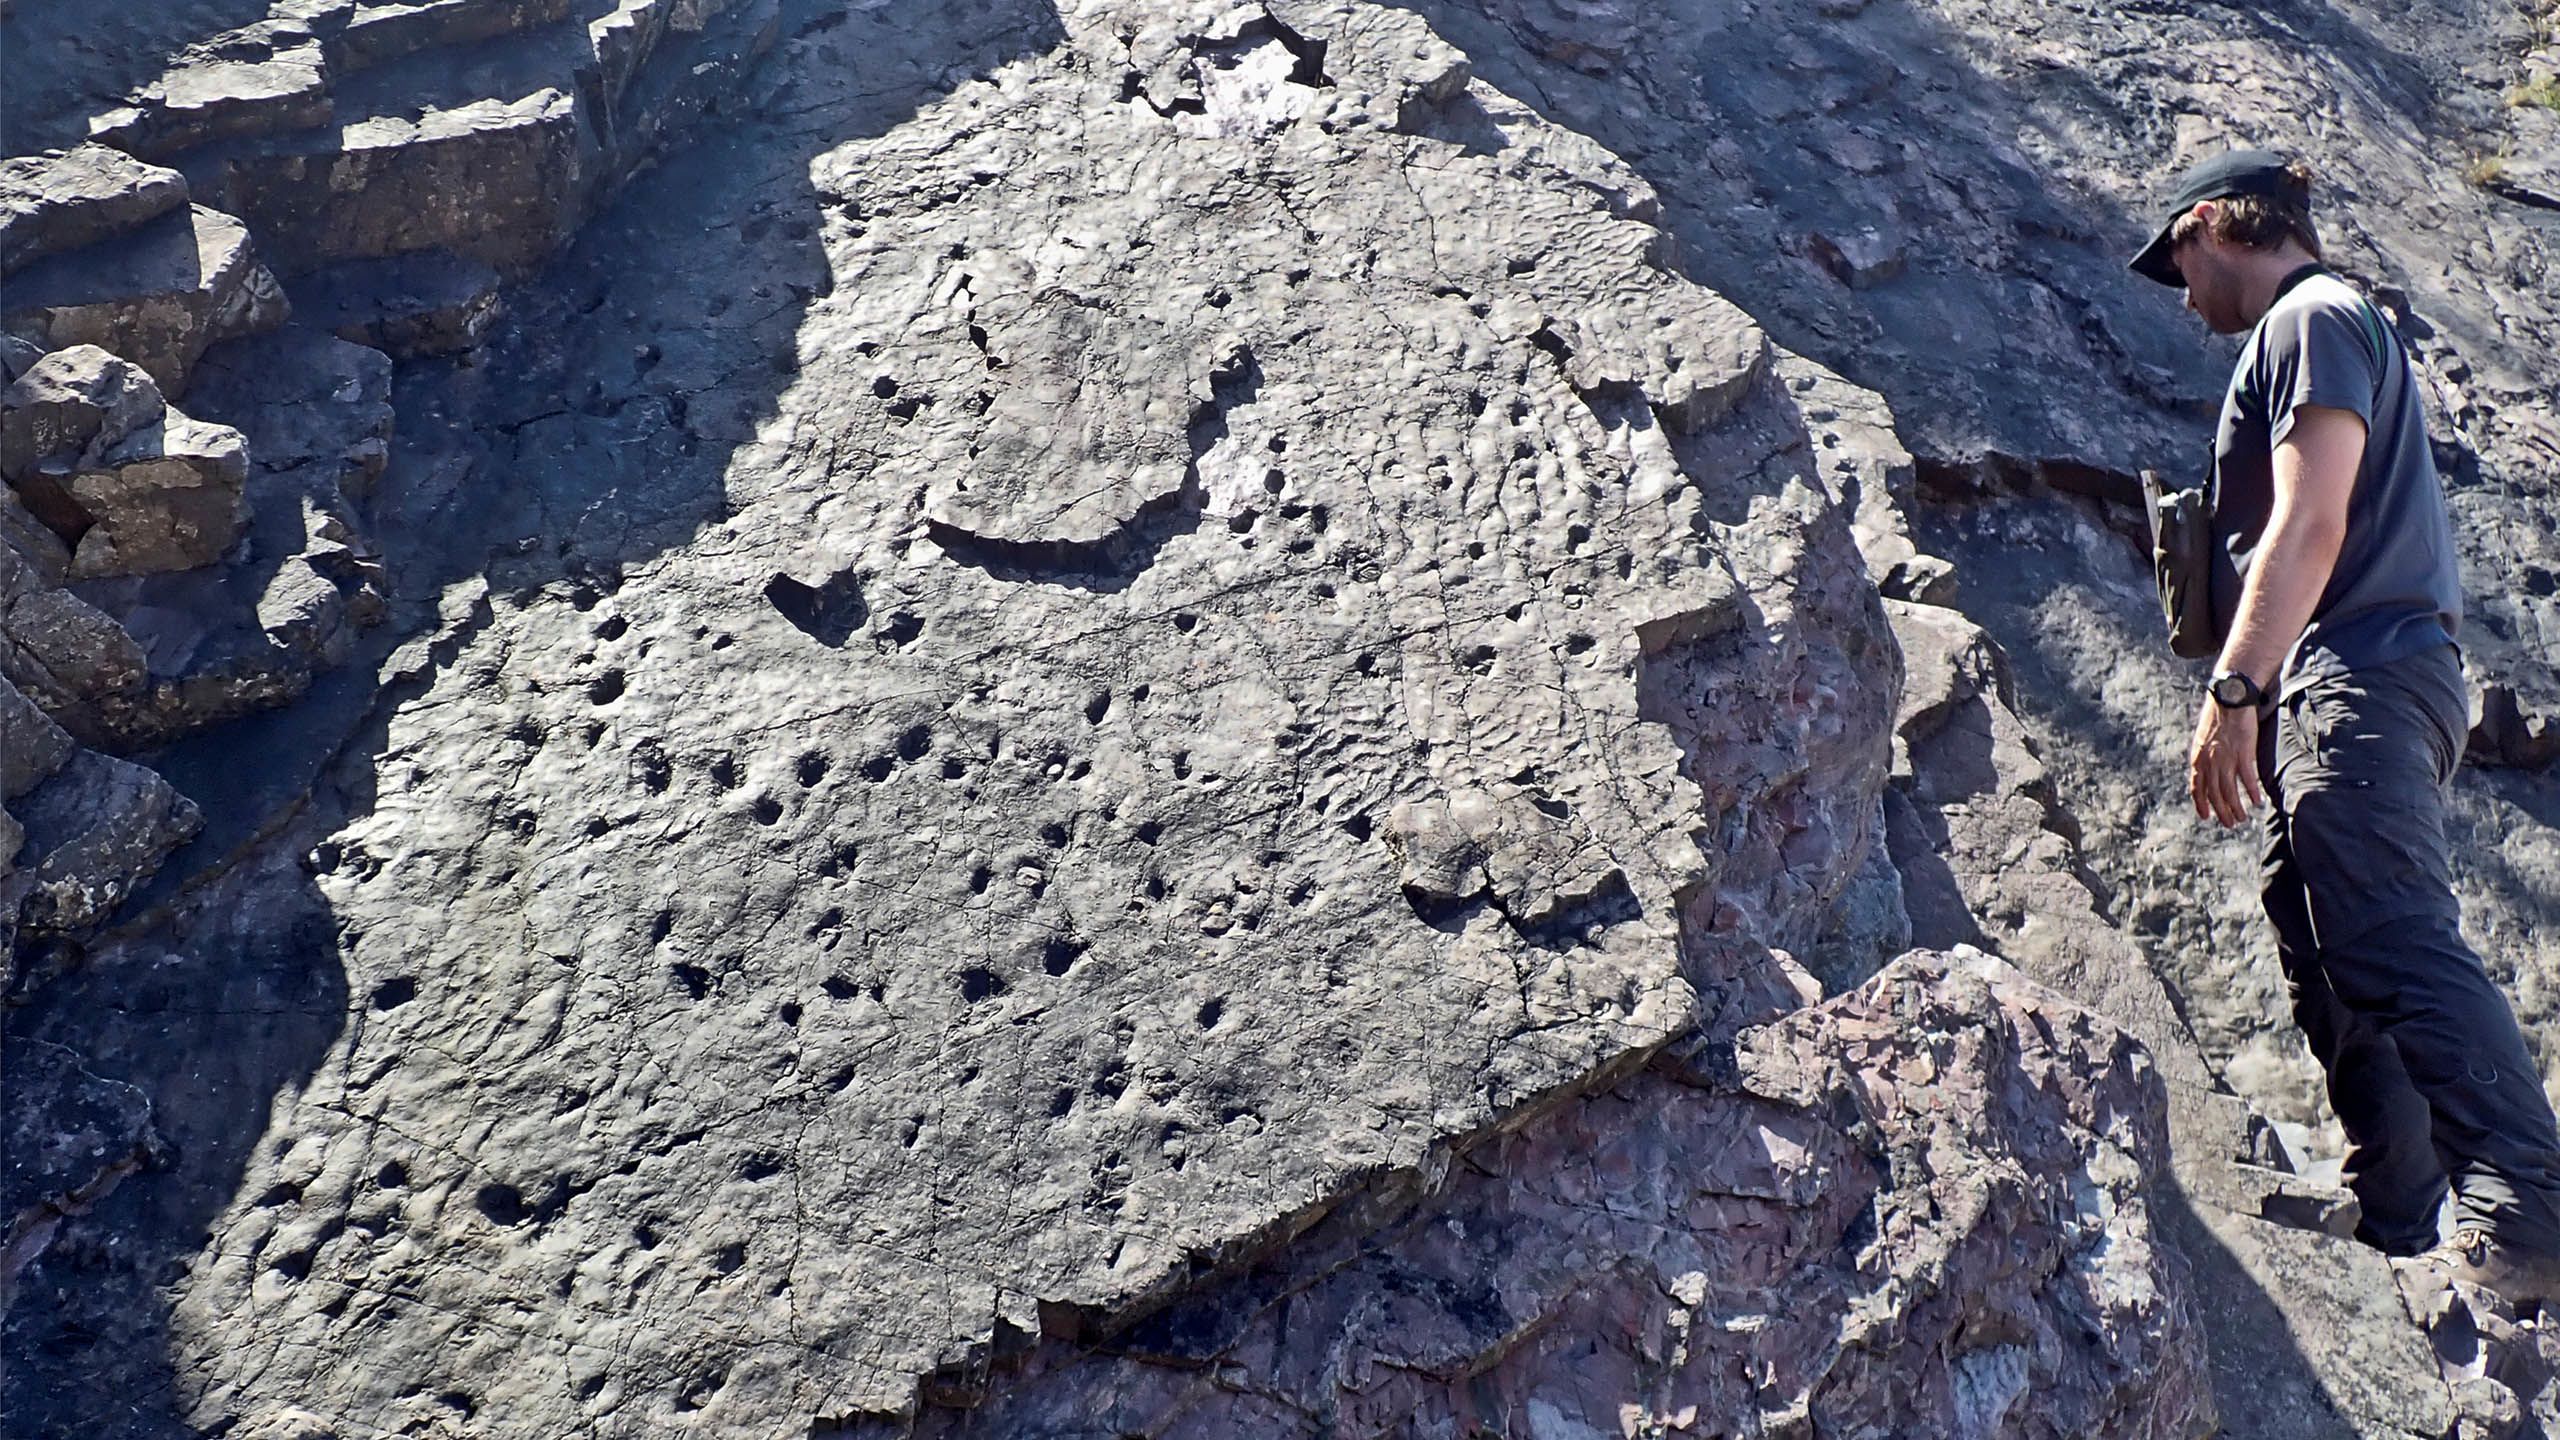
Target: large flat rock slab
894, 923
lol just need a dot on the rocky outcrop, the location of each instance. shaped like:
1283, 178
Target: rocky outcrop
1142, 713
486, 129
132, 486
168, 574
1462, 743
1920, 1204
51, 204
156, 295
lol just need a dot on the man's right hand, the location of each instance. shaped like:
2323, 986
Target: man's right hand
2222, 764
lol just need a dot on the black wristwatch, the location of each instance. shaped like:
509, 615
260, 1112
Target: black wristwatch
2234, 691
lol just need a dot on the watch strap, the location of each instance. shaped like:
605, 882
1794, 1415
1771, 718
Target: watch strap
2253, 695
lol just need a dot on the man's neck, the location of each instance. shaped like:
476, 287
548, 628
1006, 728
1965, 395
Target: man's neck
2263, 273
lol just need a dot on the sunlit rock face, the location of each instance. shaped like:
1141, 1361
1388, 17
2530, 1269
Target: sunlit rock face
1147, 718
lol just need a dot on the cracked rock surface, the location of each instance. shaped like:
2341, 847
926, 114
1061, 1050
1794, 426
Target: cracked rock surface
1158, 716
2012, 151
1086, 772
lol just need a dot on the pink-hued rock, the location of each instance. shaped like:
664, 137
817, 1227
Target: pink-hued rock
1921, 1209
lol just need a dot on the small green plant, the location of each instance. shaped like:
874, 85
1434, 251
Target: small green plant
2544, 92
2484, 170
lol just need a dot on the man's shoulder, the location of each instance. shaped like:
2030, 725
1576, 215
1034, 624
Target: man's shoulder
2322, 310
2323, 294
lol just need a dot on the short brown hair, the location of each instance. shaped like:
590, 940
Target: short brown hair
2260, 222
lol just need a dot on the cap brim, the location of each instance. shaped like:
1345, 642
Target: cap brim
2156, 261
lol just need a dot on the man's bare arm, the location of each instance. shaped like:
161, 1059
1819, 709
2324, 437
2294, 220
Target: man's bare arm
2315, 473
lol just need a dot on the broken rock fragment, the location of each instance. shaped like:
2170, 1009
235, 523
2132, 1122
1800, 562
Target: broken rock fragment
156, 296
166, 498
58, 202
74, 401
99, 827
131, 485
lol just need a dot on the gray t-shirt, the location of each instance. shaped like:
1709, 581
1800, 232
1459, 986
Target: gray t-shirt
2395, 590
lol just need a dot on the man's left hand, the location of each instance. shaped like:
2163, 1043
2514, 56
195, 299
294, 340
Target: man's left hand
2222, 764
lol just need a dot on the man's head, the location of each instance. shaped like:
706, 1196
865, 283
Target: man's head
2234, 224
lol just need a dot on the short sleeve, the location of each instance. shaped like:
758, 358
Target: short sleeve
2321, 353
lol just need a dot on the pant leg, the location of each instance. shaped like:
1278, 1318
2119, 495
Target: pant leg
2391, 1163
2364, 763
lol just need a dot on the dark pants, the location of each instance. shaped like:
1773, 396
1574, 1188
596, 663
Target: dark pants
2427, 1069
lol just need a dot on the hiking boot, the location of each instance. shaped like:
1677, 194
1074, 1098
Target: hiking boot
2523, 1278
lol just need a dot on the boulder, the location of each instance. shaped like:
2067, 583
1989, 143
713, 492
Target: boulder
72, 405
65, 200
78, 666
32, 747
226, 641
157, 295
32, 546
213, 98
167, 497
96, 829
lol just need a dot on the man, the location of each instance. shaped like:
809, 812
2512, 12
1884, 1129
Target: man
2339, 696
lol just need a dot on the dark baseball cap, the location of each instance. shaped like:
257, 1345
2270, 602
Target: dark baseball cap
2233, 172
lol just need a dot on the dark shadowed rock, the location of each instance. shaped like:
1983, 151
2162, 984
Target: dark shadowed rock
78, 665
95, 829
427, 303
31, 747
374, 33
71, 1137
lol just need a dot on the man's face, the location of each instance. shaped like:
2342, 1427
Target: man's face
2213, 282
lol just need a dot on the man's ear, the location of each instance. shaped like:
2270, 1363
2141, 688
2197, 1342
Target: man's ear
2205, 211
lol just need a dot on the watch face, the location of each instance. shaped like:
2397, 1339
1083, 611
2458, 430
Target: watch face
2231, 689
